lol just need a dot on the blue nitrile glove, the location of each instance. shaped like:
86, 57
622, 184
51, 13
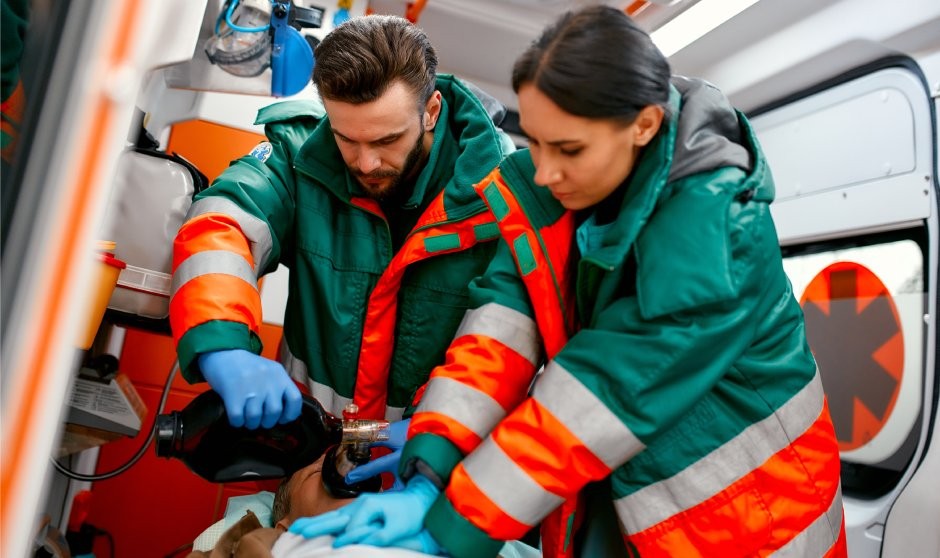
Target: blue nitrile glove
256, 391
385, 519
397, 436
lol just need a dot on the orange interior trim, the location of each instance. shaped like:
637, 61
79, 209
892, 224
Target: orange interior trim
414, 9
210, 146
636, 7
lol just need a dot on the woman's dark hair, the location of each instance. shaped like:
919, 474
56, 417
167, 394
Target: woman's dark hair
596, 63
360, 59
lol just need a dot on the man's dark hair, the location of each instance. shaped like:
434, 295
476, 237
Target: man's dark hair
281, 506
596, 63
360, 59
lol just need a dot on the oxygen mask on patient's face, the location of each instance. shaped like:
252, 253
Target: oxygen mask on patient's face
355, 450
201, 436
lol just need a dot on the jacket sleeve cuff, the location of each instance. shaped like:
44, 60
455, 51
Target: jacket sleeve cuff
212, 336
459, 537
431, 455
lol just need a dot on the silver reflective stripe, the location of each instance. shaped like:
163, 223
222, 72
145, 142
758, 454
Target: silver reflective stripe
470, 407
507, 485
724, 466
819, 536
575, 406
213, 261
510, 327
254, 229
327, 396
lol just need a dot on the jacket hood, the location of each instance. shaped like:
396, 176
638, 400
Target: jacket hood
708, 134
703, 133
472, 122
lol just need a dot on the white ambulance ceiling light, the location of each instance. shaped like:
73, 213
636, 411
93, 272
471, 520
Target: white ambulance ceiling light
695, 22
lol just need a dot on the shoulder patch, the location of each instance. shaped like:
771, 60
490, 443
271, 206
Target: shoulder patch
262, 151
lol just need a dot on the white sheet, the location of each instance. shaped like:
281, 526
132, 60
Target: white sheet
289, 545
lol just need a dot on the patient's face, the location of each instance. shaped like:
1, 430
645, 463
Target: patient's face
308, 496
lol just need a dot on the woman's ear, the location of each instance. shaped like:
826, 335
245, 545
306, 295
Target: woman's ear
647, 123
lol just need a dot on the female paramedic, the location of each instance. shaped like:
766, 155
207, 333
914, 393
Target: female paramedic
680, 402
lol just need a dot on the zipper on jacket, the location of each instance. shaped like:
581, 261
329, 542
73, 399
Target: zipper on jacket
585, 293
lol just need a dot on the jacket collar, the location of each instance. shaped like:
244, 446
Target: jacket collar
704, 133
643, 190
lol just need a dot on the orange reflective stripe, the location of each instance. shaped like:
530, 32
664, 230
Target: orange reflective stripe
546, 450
759, 513
478, 509
378, 338
215, 296
541, 282
467, 366
210, 231
429, 422
481, 363
555, 319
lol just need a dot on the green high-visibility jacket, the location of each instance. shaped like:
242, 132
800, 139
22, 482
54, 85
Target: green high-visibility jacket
688, 386
296, 204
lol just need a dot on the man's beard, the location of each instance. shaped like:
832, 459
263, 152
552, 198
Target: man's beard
408, 173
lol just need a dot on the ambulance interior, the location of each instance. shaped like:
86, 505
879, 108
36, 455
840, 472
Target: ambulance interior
843, 95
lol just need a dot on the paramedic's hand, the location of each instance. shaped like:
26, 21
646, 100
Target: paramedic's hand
257, 391
385, 519
398, 435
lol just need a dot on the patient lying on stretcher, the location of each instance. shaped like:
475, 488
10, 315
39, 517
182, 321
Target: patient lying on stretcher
303, 495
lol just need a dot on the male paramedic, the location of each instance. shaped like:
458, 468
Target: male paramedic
367, 198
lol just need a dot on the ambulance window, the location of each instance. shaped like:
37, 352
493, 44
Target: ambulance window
864, 301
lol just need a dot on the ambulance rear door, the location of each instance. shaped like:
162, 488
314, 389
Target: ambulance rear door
854, 163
